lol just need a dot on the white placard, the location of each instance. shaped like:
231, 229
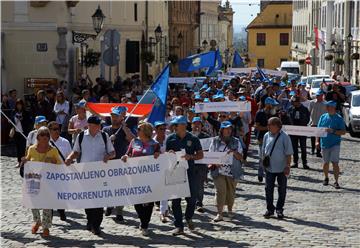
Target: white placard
305, 131
216, 158
185, 80
96, 184
205, 143
227, 106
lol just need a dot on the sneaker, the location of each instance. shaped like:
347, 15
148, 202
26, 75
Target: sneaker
108, 211
200, 210
35, 228
260, 178
218, 218
326, 181
294, 166
312, 152
280, 214
306, 167
268, 214
46, 232
163, 218
230, 215
119, 218
178, 231
337, 186
190, 224
318, 155
145, 232
157, 208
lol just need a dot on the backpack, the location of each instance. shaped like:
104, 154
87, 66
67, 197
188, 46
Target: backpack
81, 137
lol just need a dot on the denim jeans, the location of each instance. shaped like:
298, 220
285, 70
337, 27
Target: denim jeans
261, 167
191, 201
269, 190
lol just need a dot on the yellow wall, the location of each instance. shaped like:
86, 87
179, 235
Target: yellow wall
272, 52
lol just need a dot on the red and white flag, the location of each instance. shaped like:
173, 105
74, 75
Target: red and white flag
104, 109
316, 31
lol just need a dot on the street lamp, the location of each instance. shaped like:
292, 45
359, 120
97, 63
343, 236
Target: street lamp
204, 44
349, 40
98, 23
158, 33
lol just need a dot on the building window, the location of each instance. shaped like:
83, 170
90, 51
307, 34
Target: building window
284, 39
135, 12
261, 63
260, 39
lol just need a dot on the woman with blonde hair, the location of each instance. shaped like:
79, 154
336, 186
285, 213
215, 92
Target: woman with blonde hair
42, 151
143, 145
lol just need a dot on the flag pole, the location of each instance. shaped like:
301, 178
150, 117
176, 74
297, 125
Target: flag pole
13, 124
132, 111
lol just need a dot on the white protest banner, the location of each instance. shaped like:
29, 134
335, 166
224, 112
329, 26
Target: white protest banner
205, 143
96, 184
185, 80
227, 106
305, 131
216, 158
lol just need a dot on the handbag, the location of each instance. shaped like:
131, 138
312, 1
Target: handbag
266, 160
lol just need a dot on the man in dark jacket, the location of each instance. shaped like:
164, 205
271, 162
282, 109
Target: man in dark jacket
299, 116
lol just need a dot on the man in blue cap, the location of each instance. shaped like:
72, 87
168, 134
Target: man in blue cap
201, 169
178, 141
92, 145
330, 145
261, 127
299, 116
120, 135
40, 121
317, 108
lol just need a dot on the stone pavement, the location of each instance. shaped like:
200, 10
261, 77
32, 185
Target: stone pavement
317, 215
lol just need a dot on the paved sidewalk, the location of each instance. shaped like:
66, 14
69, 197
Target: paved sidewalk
317, 215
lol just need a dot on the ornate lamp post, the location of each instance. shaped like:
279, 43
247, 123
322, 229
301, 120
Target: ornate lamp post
349, 40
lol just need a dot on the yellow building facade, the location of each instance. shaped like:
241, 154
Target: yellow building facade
269, 36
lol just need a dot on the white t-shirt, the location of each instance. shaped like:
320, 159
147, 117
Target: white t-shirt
60, 118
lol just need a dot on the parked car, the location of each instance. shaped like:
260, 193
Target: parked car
315, 85
308, 79
351, 113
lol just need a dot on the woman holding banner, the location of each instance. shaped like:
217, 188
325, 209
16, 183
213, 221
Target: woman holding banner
143, 145
226, 175
42, 152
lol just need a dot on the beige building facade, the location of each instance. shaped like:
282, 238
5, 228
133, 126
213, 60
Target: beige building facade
37, 39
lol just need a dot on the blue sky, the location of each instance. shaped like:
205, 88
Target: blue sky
245, 12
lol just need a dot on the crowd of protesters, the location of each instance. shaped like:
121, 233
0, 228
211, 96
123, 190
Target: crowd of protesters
58, 130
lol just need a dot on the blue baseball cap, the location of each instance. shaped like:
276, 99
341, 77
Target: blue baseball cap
271, 101
192, 110
81, 104
39, 119
206, 100
225, 124
292, 93
301, 83
219, 96
242, 98
118, 110
196, 119
94, 119
159, 123
208, 90
204, 87
331, 103
179, 120
282, 84
320, 92
198, 97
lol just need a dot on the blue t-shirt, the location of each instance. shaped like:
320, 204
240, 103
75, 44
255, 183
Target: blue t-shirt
335, 122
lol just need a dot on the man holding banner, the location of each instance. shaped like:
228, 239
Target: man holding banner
92, 145
178, 141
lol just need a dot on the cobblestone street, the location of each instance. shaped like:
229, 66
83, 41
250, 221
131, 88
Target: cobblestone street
316, 215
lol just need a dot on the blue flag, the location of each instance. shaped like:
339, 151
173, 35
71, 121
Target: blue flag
160, 88
197, 61
217, 65
262, 74
237, 61
158, 112
160, 85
